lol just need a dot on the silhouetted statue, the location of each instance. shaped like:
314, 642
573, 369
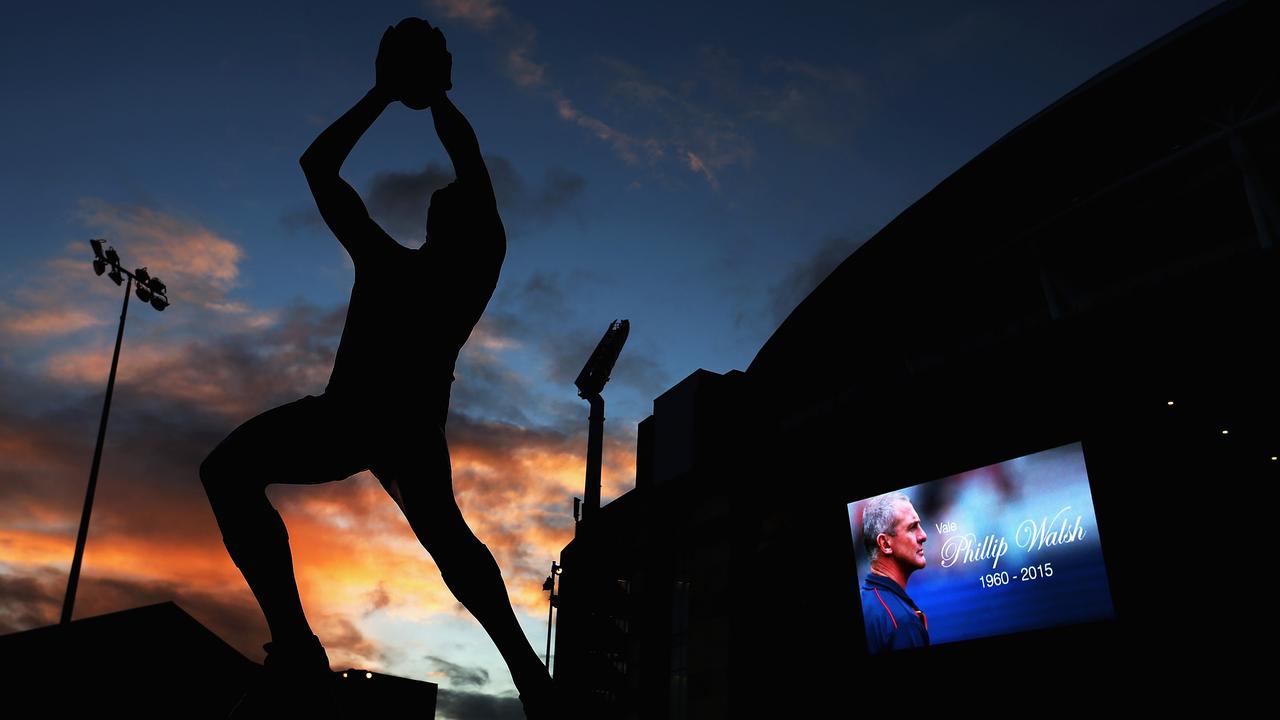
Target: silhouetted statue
385, 406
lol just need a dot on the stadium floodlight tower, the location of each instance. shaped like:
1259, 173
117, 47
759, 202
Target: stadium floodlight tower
150, 290
590, 384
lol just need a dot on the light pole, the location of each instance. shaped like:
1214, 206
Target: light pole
590, 383
550, 586
149, 289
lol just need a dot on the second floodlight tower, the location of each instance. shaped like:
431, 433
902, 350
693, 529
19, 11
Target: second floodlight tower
149, 289
590, 384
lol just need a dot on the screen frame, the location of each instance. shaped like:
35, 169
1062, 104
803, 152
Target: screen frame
988, 456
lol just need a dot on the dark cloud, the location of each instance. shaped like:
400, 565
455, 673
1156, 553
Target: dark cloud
460, 675
460, 705
503, 438
635, 368
41, 445
185, 398
537, 313
399, 200
535, 316
558, 189
542, 295
165, 419
806, 276
34, 599
28, 601
534, 205
184, 386
489, 388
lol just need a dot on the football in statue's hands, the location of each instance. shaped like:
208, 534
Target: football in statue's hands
415, 63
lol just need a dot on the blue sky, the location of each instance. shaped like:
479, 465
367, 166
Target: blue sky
694, 167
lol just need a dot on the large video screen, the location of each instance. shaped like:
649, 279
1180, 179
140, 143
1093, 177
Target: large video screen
1000, 549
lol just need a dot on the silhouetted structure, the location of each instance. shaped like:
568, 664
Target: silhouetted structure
149, 661
387, 400
149, 289
632, 630
590, 384
1112, 254
362, 693
158, 661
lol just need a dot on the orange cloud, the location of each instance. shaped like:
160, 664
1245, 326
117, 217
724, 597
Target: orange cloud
489, 338
153, 534
480, 13
171, 247
341, 556
513, 486
524, 71
174, 372
45, 322
199, 266
192, 564
349, 542
231, 380
696, 165
627, 146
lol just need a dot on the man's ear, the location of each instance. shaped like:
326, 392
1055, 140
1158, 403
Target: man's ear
882, 542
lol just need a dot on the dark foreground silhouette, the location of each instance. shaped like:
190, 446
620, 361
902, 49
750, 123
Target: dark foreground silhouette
387, 400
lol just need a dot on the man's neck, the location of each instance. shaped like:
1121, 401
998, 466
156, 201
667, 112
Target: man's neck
891, 571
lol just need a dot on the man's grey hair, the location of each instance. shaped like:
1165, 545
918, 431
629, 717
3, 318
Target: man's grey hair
877, 517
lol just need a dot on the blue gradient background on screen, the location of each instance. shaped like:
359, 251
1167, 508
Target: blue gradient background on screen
996, 500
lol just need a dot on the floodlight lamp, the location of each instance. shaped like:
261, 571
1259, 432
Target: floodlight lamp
115, 276
549, 584
111, 256
159, 302
99, 266
142, 276
97, 248
595, 373
144, 294
156, 286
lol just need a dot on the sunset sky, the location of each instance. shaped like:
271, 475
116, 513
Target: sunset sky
694, 167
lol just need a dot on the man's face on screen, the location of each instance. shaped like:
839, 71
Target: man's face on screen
907, 544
